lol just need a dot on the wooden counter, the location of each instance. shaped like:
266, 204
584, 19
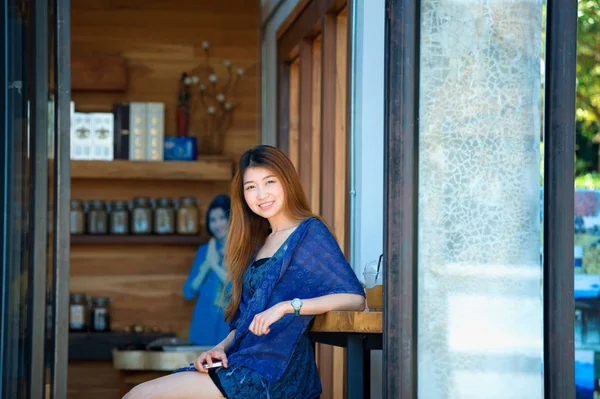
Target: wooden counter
349, 322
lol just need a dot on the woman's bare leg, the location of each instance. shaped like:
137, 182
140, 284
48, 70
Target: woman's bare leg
183, 385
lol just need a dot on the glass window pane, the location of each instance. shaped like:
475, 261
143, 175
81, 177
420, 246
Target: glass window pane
15, 348
480, 321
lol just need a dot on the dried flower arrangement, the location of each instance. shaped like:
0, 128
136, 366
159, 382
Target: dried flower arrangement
208, 99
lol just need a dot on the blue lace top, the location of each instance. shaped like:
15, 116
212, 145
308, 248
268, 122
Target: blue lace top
299, 381
309, 264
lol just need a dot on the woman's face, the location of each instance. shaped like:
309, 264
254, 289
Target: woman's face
218, 223
263, 192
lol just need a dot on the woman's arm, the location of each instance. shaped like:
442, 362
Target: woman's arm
223, 345
327, 303
196, 275
262, 322
216, 353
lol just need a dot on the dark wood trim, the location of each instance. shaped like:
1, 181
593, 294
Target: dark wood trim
283, 105
400, 199
38, 222
62, 190
289, 20
306, 26
559, 150
328, 60
306, 100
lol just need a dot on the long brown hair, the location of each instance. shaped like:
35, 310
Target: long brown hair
247, 230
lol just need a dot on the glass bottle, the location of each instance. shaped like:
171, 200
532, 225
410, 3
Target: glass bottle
77, 312
77, 217
187, 216
141, 216
119, 218
164, 217
100, 314
97, 218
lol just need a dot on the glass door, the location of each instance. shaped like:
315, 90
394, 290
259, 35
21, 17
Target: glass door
34, 179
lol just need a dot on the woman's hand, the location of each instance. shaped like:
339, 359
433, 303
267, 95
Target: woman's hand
262, 322
215, 354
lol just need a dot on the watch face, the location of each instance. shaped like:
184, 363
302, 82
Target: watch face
296, 303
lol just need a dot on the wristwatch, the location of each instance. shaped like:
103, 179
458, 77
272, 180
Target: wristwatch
296, 304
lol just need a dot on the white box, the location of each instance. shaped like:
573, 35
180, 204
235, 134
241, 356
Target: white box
102, 136
81, 137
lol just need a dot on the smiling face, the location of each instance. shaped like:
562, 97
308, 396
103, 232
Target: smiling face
264, 193
218, 223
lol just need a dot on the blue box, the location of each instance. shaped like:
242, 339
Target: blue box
180, 148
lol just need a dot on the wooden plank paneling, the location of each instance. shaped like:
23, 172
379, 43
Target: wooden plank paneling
283, 107
326, 354
98, 73
315, 181
340, 192
328, 96
307, 25
93, 380
341, 133
294, 114
306, 100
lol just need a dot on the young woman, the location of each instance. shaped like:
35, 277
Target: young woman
285, 267
207, 278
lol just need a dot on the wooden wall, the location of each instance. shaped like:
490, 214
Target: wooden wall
159, 39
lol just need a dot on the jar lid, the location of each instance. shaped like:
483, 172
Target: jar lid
76, 297
100, 300
188, 201
98, 204
75, 203
141, 201
164, 202
120, 204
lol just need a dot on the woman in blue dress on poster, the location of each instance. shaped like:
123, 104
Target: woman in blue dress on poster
207, 277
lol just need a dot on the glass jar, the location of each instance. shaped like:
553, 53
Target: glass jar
119, 218
77, 217
97, 218
100, 314
164, 217
141, 216
187, 216
77, 312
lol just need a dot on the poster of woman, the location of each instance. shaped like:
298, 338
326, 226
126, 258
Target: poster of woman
207, 277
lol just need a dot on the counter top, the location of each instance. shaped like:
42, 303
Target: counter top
349, 322
99, 346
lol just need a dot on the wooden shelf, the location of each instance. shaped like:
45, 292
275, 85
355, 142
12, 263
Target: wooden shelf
89, 239
215, 168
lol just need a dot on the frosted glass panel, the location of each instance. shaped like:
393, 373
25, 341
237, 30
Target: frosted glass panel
480, 280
